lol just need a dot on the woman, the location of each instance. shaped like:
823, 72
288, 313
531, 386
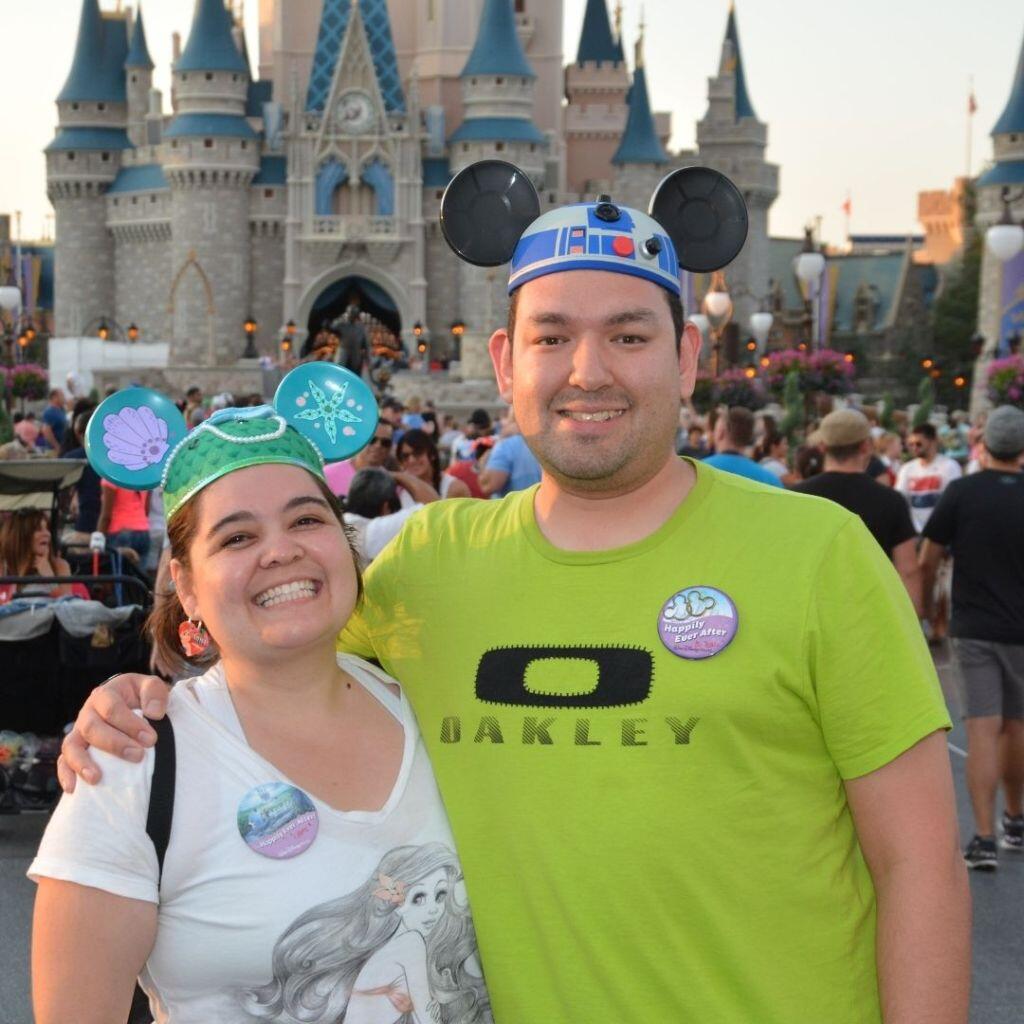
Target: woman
300, 774
418, 455
772, 453
124, 518
26, 550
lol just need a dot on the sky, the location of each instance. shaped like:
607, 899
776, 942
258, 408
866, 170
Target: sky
861, 96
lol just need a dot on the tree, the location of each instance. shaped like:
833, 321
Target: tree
926, 401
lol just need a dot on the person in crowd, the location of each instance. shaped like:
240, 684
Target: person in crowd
734, 443
430, 425
26, 549
412, 418
337, 844
923, 478
193, 401
678, 653
772, 453
393, 411
889, 450
846, 438
124, 518
510, 466
468, 471
88, 499
479, 425
353, 342
695, 446
26, 429
808, 461
450, 431
979, 518
54, 422
376, 455
418, 455
375, 511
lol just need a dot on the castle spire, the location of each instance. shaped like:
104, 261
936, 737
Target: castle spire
96, 73
732, 63
640, 143
597, 44
211, 45
1012, 118
138, 51
497, 50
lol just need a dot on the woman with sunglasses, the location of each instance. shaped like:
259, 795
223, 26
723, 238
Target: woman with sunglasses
310, 872
418, 456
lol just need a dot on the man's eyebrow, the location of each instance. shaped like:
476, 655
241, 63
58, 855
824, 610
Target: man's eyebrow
237, 517
631, 316
550, 318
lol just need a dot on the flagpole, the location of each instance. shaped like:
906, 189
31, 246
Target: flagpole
970, 121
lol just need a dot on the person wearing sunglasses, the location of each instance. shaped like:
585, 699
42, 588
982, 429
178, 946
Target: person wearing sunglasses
418, 456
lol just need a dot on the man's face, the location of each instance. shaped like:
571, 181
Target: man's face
922, 446
594, 377
58, 398
377, 452
391, 415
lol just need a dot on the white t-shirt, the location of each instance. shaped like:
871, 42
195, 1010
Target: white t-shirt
365, 921
923, 484
373, 535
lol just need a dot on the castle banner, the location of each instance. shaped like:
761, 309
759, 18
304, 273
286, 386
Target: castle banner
1011, 305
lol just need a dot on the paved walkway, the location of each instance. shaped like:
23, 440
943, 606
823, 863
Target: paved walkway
998, 996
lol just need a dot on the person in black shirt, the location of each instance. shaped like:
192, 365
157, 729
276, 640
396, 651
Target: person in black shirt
846, 437
981, 518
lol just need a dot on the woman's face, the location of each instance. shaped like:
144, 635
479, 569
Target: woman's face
271, 572
424, 902
41, 538
416, 462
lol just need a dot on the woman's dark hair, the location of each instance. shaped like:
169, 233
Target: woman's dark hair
419, 441
369, 491
808, 461
16, 536
768, 442
168, 614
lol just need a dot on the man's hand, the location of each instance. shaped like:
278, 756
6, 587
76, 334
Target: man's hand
108, 722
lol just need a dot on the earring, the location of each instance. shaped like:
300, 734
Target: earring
194, 638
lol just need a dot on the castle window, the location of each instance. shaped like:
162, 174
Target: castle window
438, 194
74, 106
268, 193
134, 78
520, 6
174, 143
117, 202
533, 148
234, 78
209, 76
135, 200
1013, 138
245, 145
208, 143
71, 156
105, 157
465, 147
499, 146
472, 81
101, 106
152, 199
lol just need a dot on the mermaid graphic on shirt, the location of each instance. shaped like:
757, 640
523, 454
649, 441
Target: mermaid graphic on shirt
400, 949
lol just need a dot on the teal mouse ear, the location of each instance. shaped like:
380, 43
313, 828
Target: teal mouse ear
705, 216
485, 209
330, 406
131, 436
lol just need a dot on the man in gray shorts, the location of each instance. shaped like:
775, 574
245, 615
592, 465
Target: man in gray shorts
981, 519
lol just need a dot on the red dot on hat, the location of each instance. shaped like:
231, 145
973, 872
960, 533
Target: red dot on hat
623, 245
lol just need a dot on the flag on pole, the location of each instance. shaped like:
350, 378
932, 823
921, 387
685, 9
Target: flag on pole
847, 206
972, 104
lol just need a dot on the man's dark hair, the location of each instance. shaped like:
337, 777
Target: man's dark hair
18, 417
194, 390
926, 430
739, 426
675, 306
844, 452
369, 490
54, 392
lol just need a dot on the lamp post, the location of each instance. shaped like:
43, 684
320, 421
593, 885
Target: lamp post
249, 327
717, 308
809, 267
288, 339
458, 330
1006, 238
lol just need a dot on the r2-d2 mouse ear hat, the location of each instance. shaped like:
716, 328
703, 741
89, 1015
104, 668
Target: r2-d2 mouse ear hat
697, 220
138, 439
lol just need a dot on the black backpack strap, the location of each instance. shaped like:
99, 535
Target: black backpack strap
161, 793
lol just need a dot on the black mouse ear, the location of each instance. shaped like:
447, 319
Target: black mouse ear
485, 210
704, 215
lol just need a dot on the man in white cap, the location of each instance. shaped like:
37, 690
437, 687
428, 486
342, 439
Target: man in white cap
980, 518
692, 745
846, 437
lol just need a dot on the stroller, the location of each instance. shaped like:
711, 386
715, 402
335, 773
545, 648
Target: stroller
55, 650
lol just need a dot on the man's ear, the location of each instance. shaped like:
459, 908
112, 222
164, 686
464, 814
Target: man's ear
689, 356
500, 349
184, 589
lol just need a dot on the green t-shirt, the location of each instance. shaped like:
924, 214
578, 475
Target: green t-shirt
648, 837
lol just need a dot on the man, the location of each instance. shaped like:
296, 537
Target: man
688, 779
981, 518
511, 466
477, 426
353, 344
26, 430
55, 422
846, 438
391, 412
376, 455
374, 510
734, 440
924, 477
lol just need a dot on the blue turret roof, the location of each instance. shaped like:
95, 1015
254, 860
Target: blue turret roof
596, 40
230, 126
640, 143
211, 46
497, 50
744, 108
499, 129
138, 52
140, 178
334, 20
1012, 119
89, 139
97, 69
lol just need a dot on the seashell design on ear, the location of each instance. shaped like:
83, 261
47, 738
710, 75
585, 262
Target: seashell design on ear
329, 406
704, 214
131, 435
485, 209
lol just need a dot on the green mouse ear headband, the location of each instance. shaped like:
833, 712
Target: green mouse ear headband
138, 439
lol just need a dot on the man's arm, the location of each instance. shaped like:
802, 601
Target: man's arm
929, 559
421, 491
905, 817
904, 557
106, 509
492, 480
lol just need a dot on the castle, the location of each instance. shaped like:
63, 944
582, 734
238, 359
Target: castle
285, 197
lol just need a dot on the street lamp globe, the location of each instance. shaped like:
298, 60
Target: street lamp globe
718, 304
1005, 240
809, 267
10, 299
760, 325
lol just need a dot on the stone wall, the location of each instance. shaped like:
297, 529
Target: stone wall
268, 286
142, 280
84, 265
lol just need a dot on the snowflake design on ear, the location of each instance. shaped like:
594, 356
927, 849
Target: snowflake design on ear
329, 409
